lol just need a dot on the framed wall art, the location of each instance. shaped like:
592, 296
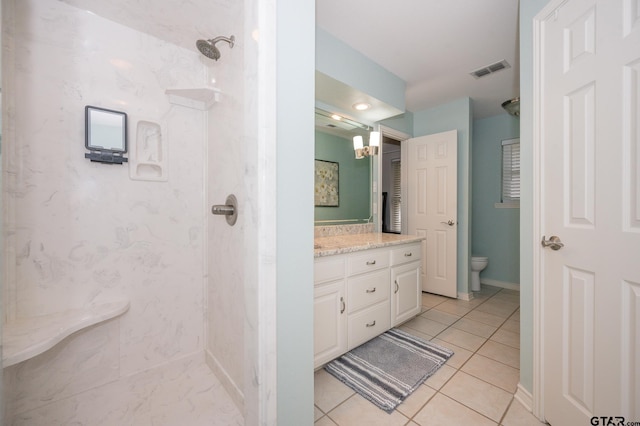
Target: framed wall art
327, 182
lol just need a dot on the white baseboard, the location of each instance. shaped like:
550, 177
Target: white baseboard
524, 397
465, 296
229, 385
501, 284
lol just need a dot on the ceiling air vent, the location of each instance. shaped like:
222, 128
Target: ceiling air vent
489, 69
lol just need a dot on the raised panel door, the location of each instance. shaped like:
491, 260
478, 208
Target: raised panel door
406, 290
589, 119
329, 322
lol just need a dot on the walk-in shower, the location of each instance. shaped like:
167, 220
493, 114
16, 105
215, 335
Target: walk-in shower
81, 356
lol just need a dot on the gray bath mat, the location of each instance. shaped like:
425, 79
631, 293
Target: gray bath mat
388, 368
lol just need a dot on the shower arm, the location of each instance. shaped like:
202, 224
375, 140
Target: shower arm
231, 40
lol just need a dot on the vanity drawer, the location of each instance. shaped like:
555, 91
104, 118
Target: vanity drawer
406, 253
369, 260
367, 324
368, 289
329, 268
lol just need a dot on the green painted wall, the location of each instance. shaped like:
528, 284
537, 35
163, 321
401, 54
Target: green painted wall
343, 63
294, 70
354, 188
496, 231
402, 123
528, 10
455, 115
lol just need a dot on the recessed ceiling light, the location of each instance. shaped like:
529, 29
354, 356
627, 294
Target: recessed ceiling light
361, 106
336, 117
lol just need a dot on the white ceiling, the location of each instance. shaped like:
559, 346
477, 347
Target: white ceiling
433, 45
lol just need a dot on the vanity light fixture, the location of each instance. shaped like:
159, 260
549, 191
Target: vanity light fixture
366, 151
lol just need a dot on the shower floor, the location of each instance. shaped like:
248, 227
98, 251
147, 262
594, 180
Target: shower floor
185, 392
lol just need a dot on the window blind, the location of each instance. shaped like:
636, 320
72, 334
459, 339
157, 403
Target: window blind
395, 222
511, 170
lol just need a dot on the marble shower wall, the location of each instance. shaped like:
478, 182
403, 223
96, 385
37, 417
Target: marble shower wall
80, 232
225, 316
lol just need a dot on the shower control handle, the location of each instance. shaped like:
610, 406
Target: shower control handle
222, 209
229, 209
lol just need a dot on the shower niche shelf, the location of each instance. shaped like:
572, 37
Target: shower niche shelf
148, 158
28, 337
200, 98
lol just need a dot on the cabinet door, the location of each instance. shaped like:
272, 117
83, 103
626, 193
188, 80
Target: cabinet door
406, 289
329, 322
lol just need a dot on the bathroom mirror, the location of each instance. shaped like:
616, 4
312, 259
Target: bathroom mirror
334, 143
105, 135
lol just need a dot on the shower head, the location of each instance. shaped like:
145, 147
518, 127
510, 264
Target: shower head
208, 47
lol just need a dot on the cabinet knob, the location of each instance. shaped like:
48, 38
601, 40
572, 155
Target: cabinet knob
397, 286
408, 254
371, 262
373, 290
371, 324
342, 304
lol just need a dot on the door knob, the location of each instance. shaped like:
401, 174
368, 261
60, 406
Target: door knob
554, 243
449, 222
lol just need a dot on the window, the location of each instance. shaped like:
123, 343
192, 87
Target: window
511, 172
395, 222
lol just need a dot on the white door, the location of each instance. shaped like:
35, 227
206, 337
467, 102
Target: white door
589, 110
432, 207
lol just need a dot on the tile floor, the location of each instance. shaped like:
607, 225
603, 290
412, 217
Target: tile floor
474, 387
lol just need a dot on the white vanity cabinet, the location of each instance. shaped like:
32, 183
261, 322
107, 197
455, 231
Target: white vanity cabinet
367, 295
362, 294
329, 309
406, 296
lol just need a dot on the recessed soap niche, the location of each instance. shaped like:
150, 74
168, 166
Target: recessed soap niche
147, 157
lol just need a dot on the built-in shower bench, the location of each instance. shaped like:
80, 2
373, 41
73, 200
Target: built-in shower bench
26, 338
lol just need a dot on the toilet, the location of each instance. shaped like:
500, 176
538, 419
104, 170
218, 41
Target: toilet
478, 263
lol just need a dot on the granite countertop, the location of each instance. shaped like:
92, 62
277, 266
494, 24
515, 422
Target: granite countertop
327, 246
